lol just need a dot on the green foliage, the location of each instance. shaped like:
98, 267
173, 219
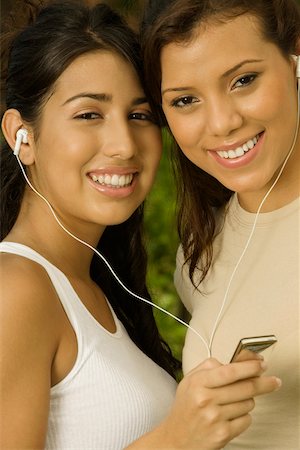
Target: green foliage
162, 243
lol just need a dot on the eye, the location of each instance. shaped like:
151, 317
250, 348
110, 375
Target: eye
183, 102
88, 116
246, 80
142, 116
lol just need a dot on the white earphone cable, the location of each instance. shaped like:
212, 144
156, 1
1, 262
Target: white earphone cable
254, 227
208, 345
103, 258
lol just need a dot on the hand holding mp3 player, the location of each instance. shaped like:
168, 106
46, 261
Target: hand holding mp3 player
254, 344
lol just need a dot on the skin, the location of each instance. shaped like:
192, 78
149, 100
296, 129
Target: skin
80, 135
87, 135
219, 103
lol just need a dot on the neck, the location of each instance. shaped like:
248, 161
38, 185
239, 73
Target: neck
46, 237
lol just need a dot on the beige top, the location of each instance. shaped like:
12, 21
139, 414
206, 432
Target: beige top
263, 299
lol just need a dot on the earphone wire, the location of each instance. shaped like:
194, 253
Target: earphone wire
133, 294
218, 319
208, 345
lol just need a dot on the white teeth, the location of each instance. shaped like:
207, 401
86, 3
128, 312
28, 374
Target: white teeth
239, 151
114, 180
250, 144
122, 180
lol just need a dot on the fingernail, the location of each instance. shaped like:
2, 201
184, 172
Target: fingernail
279, 383
264, 365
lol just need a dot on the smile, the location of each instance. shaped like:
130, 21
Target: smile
113, 181
239, 151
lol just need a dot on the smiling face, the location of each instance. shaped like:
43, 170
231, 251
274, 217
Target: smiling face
98, 148
229, 97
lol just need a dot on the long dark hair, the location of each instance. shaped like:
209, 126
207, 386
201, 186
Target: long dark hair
37, 56
201, 197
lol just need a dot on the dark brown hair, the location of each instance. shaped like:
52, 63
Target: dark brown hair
200, 196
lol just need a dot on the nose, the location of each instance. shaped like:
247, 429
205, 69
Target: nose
223, 117
120, 140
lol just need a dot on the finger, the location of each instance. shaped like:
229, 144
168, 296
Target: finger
238, 409
246, 389
239, 425
246, 355
215, 414
227, 430
264, 385
231, 373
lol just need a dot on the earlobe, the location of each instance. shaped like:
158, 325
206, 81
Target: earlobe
11, 124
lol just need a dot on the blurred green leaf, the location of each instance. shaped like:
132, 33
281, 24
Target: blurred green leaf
162, 243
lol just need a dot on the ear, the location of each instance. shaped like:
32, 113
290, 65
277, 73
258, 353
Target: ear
11, 123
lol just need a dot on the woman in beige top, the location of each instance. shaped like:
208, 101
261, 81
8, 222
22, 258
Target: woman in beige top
225, 73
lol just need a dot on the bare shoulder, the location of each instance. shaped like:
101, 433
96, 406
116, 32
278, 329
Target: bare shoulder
28, 300
25, 284
29, 338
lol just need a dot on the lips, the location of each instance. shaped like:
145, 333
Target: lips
113, 177
240, 150
240, 155
113, 180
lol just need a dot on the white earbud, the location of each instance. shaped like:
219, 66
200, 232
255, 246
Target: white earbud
21, 137
297, 60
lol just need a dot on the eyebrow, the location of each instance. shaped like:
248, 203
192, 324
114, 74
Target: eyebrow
239, 65
224, 75
177, 89
139, 101
101, 97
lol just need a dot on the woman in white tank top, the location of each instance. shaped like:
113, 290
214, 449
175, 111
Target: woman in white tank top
83, 365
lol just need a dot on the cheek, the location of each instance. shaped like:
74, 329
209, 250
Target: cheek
186, 129
151, 147
60, 161
197, 157
271, 105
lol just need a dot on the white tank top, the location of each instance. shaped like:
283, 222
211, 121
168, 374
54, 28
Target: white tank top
114, 393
